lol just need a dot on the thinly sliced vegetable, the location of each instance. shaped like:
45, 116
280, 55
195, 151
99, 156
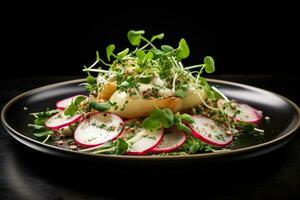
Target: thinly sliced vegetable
171, 141
62, 104
60, 120
209, 132
140, 140
97, 129
241, 112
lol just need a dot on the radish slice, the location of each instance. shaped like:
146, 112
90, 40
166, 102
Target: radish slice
62, 104
140, 140
97, 129
246, 113
171, 141
209, 132
60, 120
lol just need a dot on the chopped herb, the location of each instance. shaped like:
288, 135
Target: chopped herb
193, 145
41, 117
124, 105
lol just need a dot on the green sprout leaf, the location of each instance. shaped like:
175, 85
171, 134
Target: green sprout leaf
71, 110
164, 116
91, 82
43, 133
179, 93
156, 51
183, 50
151, 123
134, 37
123, 53
40, 131
188, 118
99, 106
145, 79
159, 36
209, 64
41, 117
159, 117
193, 145
148, 56
144, 57
90, 79
166, 48
167, 118
117, 147
79, 99
110, 50
184, 128
180, 125
140, 55
120, 146
73, 107
106, 145
247, 127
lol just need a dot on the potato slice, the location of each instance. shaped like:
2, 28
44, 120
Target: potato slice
107, 90
136, 106
193, 98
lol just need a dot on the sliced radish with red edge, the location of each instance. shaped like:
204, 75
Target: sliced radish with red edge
63, 104
97, 129
61, 120
209, 132
246, 113
141, 141
171, 141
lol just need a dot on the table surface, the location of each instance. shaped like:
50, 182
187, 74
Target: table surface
28, 174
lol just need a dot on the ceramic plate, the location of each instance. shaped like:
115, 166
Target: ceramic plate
284, 114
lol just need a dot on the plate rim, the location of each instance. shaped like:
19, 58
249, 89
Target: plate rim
17, 135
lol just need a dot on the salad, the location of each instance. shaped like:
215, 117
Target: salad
144, 101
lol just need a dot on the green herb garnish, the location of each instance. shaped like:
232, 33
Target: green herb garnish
99, 106
73, 108
166, 119
41, 117
117, 147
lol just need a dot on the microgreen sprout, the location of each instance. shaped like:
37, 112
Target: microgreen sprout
117, 147
73, 108
166, 119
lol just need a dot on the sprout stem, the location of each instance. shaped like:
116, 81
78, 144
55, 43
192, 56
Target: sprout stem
93, 65
95, 70
103, 150
259, 130
150, 43
198, 75
194, 66
174, 81
212, 108
135, 137
220, 93
47, 138
90, 149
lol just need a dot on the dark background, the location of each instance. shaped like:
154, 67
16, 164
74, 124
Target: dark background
253, 44
51, 40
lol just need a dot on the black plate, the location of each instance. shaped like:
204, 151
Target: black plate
284, 114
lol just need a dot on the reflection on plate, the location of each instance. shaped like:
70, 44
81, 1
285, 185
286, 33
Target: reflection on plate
284, 114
